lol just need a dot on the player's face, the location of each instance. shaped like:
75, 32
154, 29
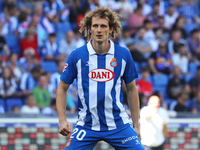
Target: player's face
100, 30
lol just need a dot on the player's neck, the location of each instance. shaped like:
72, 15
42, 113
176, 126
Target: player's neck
101, 48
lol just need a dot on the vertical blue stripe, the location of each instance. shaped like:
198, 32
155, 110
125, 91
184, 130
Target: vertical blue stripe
85, 80
116, 110
101, 95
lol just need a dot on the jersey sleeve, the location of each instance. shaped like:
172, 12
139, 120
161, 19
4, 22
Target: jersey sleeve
69, 71
130, 72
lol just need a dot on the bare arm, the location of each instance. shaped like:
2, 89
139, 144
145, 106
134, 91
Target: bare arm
165, 130
6, 49
152, 66
133, 102
61, 101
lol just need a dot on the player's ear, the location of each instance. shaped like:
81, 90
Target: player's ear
111, 30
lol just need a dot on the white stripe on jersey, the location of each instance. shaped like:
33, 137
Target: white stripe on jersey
93, 95
123, 113
82, 112
108, 105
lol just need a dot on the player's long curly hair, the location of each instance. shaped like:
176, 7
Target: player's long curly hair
101, 12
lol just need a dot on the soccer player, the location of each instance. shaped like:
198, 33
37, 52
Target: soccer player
100, 67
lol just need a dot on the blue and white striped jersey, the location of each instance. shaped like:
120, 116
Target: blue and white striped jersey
99, 83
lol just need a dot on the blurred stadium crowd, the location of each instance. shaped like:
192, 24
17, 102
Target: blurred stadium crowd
37, 37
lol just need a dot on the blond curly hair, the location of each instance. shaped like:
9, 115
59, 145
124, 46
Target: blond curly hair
101, 12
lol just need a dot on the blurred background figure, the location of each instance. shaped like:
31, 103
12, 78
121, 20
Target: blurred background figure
180, 104
30, 107
195, 106
154, 121
67, 45
8, 85
41, 94
176, 84
51, 109
144, 86
160, 60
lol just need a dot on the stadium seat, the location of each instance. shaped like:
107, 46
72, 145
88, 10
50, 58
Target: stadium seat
160, 80
10, 102
172, 105
188, 77
13, 43
137, 67
193, 67
49, 66
2, 102
168, 101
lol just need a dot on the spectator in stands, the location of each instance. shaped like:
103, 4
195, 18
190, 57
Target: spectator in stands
146, 7
2, 65
135, 20
66, 46
126, 36
144, 86
15, 109
16, 70
51, 109
194, 44
29, 80
195, 106
40, 21
158, 38
161, 24
180, 59
78, 38
160, 61
3, 46
50, 51
179, 25
194, 83
2, 111
30, 41
124, 8
77, 9
27, 62
6, 3
161, 6
136, 55
30, 107
149, 34
153, 120
181, 100
176, 84
8, 85
170, 17
23, 23
41, 94
190, 11
176, 41
55, 78
142, 44
52, 9
154, 15
10, 22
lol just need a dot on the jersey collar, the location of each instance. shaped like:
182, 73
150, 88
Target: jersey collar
92, 51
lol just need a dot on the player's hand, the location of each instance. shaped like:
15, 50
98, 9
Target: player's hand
65, 128
137, 130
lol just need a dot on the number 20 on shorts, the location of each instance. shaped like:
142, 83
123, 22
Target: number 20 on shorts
80, 134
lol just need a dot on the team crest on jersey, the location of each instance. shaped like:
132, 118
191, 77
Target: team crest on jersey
68, 143
65, 67
113, 63
101, 75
